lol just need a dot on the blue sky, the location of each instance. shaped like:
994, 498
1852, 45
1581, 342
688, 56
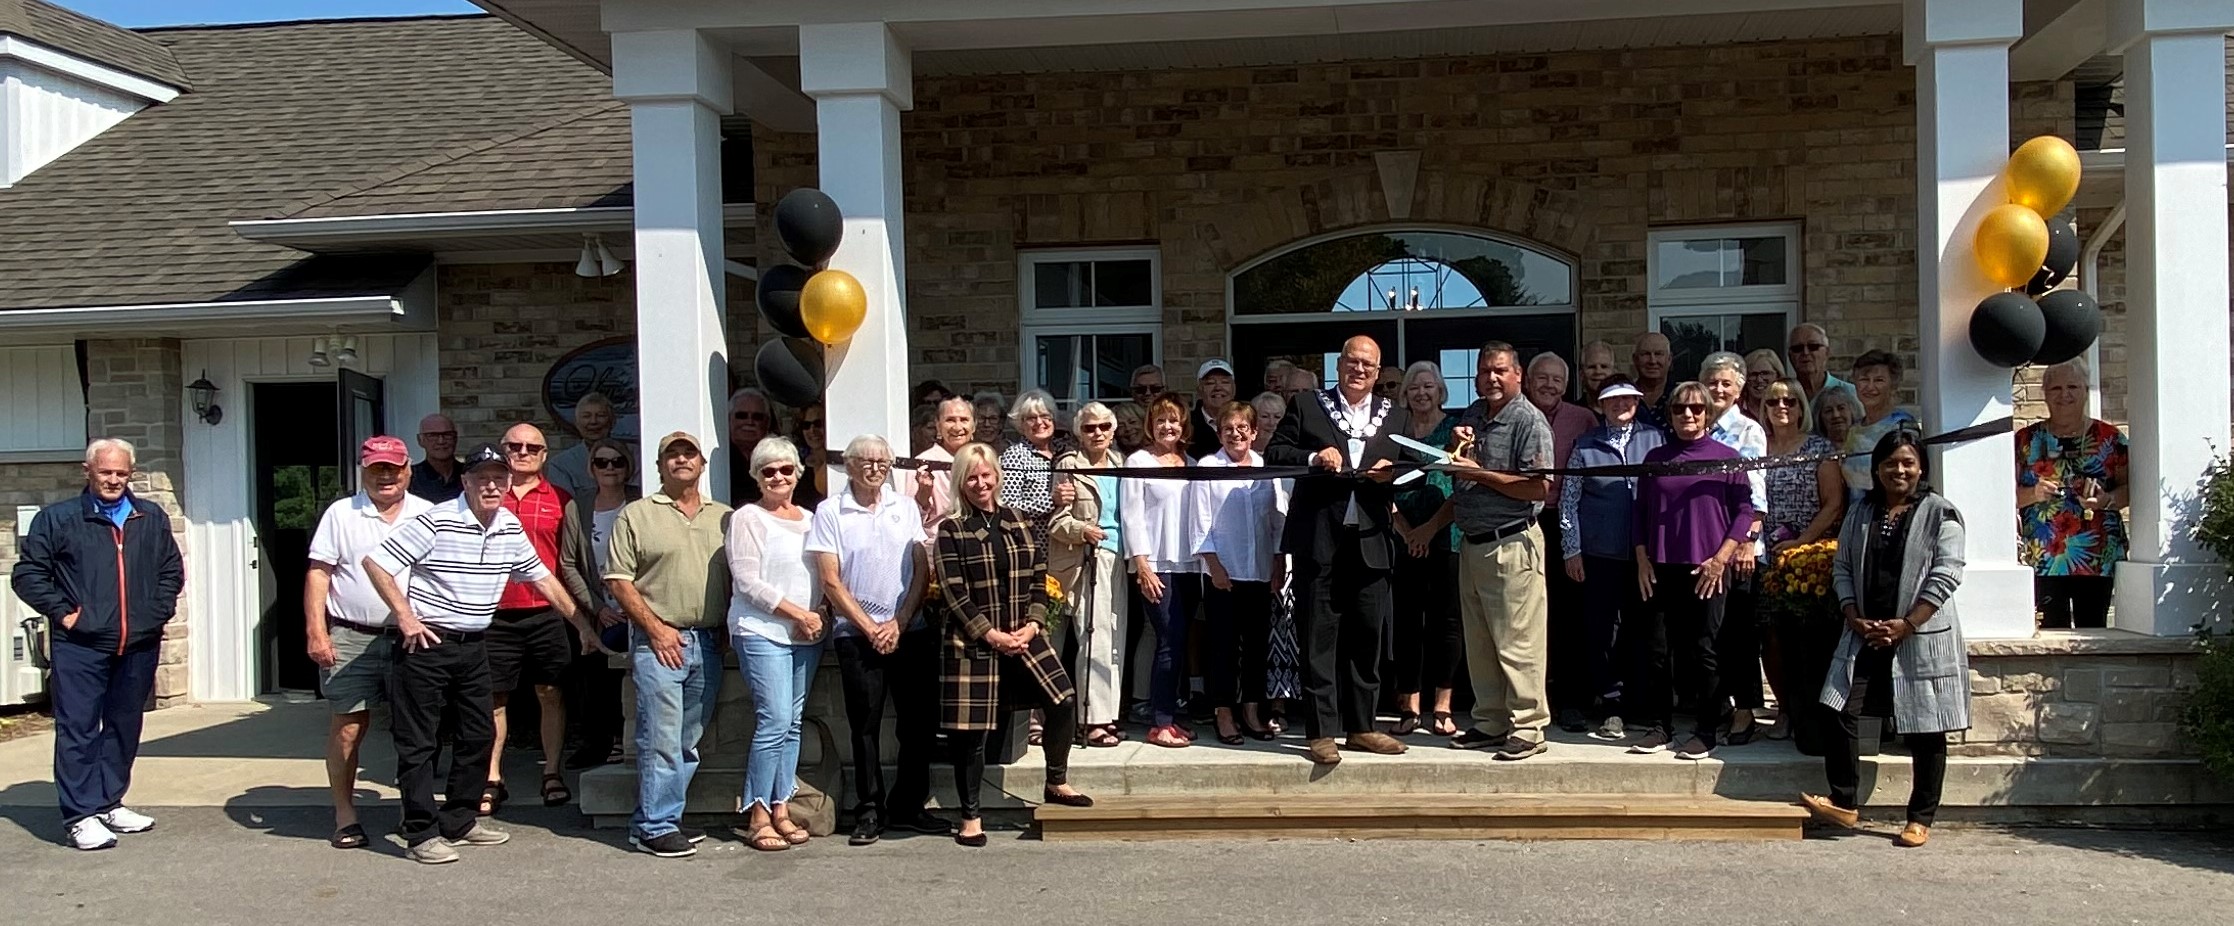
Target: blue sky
137, 13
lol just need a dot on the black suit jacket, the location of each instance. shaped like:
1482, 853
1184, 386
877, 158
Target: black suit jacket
1316, 509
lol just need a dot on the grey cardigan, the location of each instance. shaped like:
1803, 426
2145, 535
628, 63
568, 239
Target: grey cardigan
1931, 669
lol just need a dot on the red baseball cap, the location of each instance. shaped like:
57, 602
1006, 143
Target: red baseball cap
383, 449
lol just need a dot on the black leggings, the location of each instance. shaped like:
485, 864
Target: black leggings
1873, 681
1233, 656
2073, 601
970, 745
1425, 631
1677, 619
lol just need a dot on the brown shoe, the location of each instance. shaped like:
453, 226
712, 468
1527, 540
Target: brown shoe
1374, 741
1913, 836
1323, 752
1830, 813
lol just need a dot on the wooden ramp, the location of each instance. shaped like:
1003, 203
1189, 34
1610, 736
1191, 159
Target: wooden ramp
1423, 816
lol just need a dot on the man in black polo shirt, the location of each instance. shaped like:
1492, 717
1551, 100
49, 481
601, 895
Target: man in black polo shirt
436, 477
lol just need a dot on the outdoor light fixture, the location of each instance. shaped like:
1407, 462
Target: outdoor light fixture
205, 399
318, 356
348, 352
597, 260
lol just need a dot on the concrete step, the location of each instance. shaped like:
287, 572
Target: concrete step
1423, 816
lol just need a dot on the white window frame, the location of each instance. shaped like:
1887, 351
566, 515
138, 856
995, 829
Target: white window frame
1782, 298
60, 434
1036, 322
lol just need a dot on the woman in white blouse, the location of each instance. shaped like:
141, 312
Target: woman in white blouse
1234, 528
777, 634
1153, 513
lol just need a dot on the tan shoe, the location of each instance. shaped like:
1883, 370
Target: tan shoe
1323, 752
1913, 836
1376, 742
1830, 813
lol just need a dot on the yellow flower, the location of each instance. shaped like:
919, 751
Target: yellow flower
1054, 589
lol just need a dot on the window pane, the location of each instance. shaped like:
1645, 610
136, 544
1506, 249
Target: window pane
1458, 376
1123, 283
1058, 366
1115, 358
1762, 260
1713, 263
1061, 284
1450, 270
1692, 337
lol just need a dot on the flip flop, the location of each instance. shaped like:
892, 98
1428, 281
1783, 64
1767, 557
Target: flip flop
349, 837
1442, 724
772, 842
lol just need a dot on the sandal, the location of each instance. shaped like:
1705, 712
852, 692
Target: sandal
794, 833
1742, 737
493, 796
1037, 735
1441, 723
1230, 739
766, 839
1407, 723
1103, 737
1168, 737
349, 837
555, 792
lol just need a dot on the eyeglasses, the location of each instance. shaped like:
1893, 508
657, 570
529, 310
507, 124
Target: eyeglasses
1782, 401
1097, 428
438, 435
810, 423
1688, 408
1147, 388
609, 463
780, 469
1808, 348
866, 463
523, 449
751, 416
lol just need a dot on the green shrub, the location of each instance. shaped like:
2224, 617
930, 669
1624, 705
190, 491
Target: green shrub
2208, 719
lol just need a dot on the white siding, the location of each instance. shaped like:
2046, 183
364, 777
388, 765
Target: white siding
44, 114
42, 404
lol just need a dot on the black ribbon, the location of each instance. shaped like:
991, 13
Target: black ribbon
1688, 468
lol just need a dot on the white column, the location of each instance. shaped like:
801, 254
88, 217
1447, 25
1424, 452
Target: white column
860, 78
677, 85
1960, 49
2176, 300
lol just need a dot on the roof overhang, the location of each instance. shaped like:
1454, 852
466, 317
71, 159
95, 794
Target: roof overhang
509, 230
61, 62
411, 308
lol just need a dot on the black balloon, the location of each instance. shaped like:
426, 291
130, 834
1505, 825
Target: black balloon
2073, 320
790, 371
778, 298
809, 225
2007, 329
2063, 255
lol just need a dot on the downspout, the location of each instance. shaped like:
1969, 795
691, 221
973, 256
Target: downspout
2090, 282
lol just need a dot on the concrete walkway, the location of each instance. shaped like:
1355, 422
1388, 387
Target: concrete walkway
254, 753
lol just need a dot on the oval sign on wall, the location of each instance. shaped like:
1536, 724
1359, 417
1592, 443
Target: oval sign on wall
607, 366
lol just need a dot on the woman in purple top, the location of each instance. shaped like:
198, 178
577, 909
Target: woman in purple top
1688, 529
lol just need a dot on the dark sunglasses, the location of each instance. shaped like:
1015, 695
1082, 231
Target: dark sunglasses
1808, 348
523, 448
1781, 402
781, 469
609, 463
810, 423
1097, 428
1688, 408
751, 416
1147, 390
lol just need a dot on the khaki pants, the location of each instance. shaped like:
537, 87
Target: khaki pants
1504, 616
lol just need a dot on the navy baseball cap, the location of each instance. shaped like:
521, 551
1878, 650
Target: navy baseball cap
486, 455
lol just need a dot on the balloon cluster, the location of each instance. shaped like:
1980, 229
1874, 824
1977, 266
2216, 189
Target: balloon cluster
809, 307
2032, 243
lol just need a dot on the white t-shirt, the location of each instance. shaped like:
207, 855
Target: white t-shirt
875, 550
767, 567
350, 530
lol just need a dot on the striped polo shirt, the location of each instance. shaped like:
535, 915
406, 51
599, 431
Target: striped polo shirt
459, 568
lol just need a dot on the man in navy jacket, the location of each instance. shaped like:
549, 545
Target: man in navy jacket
105, 572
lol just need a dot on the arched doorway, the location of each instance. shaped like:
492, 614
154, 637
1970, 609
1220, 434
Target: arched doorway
1424, 293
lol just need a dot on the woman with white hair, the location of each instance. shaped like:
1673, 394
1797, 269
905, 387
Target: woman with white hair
1426, 630
1270, 409
1085, 557
1723, 375
2071, 484
777, 633
867, 549
1028, 483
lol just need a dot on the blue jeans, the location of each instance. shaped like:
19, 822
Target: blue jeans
1167, 676
671, 710
779, 675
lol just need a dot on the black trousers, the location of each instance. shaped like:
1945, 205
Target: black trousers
2074, 601
1609, 593
593, 704
909, 676
1427, 640
1018, 688
1342, 610
1738, 647
1567, 678
1680, 620
1872, 694
443, 689
1234, 653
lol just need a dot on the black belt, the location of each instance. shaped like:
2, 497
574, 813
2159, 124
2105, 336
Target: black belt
1499, 533
445, 635
367, 629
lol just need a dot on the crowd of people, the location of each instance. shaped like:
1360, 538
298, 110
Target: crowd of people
1014, 560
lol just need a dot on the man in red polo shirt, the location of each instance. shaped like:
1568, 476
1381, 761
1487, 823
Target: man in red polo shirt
528, 640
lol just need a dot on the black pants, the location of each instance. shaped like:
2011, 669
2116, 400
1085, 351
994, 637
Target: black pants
1341, 612
1678, 619
2073, 601
1609, 592
441, 689
593, 704
1426, 636
1567, 679
1738, 646
1233, 655
909, 675
1872, 694
1018, 688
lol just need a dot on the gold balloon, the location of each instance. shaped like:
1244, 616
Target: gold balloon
2043, 175
833, 303
2011, 244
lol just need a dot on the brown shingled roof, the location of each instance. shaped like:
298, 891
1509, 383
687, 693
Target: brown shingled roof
578, 159
282, 114
91, 38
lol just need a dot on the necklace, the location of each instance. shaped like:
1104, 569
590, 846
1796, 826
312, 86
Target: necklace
1376, 406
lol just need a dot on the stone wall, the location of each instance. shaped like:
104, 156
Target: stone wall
2083, 693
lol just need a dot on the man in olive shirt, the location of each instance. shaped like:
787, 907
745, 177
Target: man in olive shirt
669, 572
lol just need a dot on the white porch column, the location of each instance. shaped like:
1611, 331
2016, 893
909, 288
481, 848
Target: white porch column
1960, 49
2176, 300
861, 78
677, 85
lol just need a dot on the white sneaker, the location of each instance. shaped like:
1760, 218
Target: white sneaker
127, 820
90, 834
434, 851
481, 834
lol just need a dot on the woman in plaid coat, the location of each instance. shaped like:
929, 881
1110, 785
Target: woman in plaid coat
996, 652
